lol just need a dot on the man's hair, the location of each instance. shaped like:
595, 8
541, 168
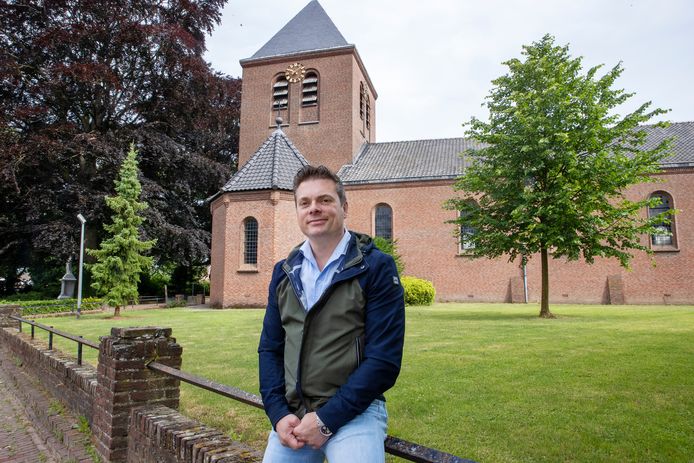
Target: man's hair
317, 172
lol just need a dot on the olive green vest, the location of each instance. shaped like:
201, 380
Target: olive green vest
323, 346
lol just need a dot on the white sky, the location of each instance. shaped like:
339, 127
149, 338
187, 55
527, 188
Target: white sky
432, 62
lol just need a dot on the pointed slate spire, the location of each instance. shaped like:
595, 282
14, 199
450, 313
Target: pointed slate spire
272, 167
311, 29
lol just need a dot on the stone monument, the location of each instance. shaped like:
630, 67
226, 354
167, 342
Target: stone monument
67, 282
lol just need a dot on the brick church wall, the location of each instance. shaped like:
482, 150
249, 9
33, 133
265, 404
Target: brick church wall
430, 250
234, 284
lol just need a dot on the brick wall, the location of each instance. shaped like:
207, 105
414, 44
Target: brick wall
72, 384
430, 250
161, 434
130, 407
331, 140
232, 283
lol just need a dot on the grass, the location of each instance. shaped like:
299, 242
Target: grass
489, 382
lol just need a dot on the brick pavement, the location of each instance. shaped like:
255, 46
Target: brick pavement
24, 437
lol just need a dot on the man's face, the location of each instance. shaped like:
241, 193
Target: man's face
318, 209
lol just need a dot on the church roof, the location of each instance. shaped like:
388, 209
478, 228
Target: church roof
407, 161
310, 30
272, 167
682, 151
418, 160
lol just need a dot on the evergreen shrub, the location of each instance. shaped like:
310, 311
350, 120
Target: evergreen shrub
390, 247
418, 291
50, 306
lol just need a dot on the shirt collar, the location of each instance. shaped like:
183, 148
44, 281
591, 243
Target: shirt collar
339, 251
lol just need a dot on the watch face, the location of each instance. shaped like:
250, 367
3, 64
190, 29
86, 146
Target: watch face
295, 72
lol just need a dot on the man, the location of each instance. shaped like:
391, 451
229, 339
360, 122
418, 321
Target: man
332, 337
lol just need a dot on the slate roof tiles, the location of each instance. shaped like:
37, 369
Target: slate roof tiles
440, 159
276, 162
310, 30
272, 167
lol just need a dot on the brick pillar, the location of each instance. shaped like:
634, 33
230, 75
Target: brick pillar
517, 290
5, 312
615, 286
124, 382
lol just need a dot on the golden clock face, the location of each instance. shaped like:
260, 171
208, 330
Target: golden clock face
295, 72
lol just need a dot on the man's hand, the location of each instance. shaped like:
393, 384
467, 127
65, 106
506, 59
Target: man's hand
308, 431
285, 430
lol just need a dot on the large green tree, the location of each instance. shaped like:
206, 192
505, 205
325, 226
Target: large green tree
554, 166
120, 258
80, 81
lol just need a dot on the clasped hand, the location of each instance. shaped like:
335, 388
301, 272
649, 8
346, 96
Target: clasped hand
295, 433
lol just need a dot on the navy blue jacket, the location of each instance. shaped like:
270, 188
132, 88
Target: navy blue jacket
366, 288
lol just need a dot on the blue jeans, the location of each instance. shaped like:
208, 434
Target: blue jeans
360, 440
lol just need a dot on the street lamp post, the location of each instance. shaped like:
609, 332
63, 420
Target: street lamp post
79, 279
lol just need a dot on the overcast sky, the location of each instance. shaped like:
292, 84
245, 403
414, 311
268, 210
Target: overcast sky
432, 62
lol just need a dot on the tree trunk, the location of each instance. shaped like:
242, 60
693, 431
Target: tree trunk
116, 312
544, 301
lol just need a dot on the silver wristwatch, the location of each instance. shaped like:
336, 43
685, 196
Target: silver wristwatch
322, 427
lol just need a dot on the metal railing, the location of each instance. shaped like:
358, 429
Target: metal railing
51, 331
394, 446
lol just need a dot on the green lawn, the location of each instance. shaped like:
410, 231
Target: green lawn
489, 382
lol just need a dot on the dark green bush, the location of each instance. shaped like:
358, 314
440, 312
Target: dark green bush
390, 247
37, 307
418, 291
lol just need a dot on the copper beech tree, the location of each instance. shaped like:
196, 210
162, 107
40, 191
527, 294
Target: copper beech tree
82, 80
556, 161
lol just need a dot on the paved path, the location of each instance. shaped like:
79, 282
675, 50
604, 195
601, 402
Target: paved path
21, 440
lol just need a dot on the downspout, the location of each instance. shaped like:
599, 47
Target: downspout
525, 279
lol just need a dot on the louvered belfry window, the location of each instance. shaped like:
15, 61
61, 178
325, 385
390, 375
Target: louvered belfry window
361, 100
280, 93
309, 90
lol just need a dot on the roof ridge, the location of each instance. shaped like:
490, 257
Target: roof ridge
422, 139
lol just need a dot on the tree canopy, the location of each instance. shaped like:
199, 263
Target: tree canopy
79, 82
120, 258
555, 163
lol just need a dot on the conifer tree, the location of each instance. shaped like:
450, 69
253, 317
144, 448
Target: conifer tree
120, 259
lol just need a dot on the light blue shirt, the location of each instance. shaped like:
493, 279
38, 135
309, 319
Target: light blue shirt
315, 281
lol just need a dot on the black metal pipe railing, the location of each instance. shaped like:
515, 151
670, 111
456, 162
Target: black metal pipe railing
394, 446
51, 331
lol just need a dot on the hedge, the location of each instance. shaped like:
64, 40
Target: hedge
418, 291
37, 307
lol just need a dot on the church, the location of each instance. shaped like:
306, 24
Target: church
308, 98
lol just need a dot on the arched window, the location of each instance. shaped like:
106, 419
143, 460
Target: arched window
368, 113
250, 241
384, 221
665, 237
280, 93
361, 100
466, 230
309, 89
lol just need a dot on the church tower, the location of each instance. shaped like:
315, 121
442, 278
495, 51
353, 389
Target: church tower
308, 75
